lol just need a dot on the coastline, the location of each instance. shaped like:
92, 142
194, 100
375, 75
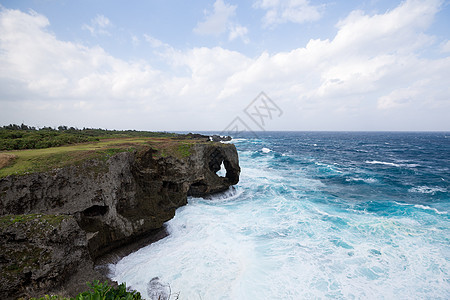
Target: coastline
115, 205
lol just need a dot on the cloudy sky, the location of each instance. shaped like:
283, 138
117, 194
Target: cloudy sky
198, 65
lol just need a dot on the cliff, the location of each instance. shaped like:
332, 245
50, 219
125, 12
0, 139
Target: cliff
108, 202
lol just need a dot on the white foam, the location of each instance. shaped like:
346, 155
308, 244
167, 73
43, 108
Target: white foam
276, 248
376, 162
222, 172
366, 180
427, 190
230, 194
408, 165
266, 150
274, 237
238, 140
430, 208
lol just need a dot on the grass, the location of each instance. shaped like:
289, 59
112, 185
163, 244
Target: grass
21, 162
6, 159
51, 220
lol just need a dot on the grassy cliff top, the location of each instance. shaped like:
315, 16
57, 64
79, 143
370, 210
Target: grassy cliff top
20, 162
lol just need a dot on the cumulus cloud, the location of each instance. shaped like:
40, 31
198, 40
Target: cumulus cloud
238, 31
64, 70
98, 26
220, 20
371, 71
296, 11
445, 48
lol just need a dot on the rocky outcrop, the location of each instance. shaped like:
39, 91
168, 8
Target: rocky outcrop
37, 252
118, 199
220, 138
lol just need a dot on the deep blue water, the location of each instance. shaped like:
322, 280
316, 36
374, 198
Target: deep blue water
315, 216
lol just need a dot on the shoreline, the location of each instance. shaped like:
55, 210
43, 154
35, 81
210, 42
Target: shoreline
101, 264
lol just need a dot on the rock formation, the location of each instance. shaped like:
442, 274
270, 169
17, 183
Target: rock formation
113, 201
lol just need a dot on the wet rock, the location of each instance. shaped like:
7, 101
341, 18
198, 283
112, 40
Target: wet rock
157, 290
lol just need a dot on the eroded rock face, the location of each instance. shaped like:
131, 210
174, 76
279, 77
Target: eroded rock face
129, 194
39, 252
98, 205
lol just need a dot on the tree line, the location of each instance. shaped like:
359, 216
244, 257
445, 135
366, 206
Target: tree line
17, 137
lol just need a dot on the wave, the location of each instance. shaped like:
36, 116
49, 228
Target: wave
376, 162
425, 207
430, 208
266, 150
398, 165
427, 190
230, 194
366, 180
235, 140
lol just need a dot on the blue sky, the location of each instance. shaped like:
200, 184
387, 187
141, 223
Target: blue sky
196, 65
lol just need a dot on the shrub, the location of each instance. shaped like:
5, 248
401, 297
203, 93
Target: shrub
100, 291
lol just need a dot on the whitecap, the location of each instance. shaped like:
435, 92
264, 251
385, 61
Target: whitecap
427, 190
238, 140
266, 150
366, 180
430, 208
376, 162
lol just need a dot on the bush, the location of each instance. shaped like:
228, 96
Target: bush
100, 291
17, 137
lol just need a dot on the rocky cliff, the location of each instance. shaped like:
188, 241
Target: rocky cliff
112, 200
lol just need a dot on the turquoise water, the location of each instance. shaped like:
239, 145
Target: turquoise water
314, 216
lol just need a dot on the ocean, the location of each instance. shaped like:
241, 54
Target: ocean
316, 215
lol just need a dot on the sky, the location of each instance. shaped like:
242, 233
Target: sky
176, 65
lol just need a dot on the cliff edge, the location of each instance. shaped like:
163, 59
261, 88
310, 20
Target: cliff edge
104, 202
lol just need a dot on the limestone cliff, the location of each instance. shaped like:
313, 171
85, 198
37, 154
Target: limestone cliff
117, 199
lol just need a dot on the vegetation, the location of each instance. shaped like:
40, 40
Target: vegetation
25, 149
20, 162
40, 219
18, 137
100, 291
184, 149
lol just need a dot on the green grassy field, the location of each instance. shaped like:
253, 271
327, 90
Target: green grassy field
20, 162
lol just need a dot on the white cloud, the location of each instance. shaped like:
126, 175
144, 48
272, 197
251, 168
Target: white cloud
445, 48
98, 26
220, 20
397, 98
371, 75
154, 42
372, 62
64, 70
296, 11
135, 40
216, 22
238, 31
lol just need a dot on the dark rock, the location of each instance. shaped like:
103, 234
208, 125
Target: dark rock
126, 196
156, 290
39, 253
113, 202
195, 136
219, 138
